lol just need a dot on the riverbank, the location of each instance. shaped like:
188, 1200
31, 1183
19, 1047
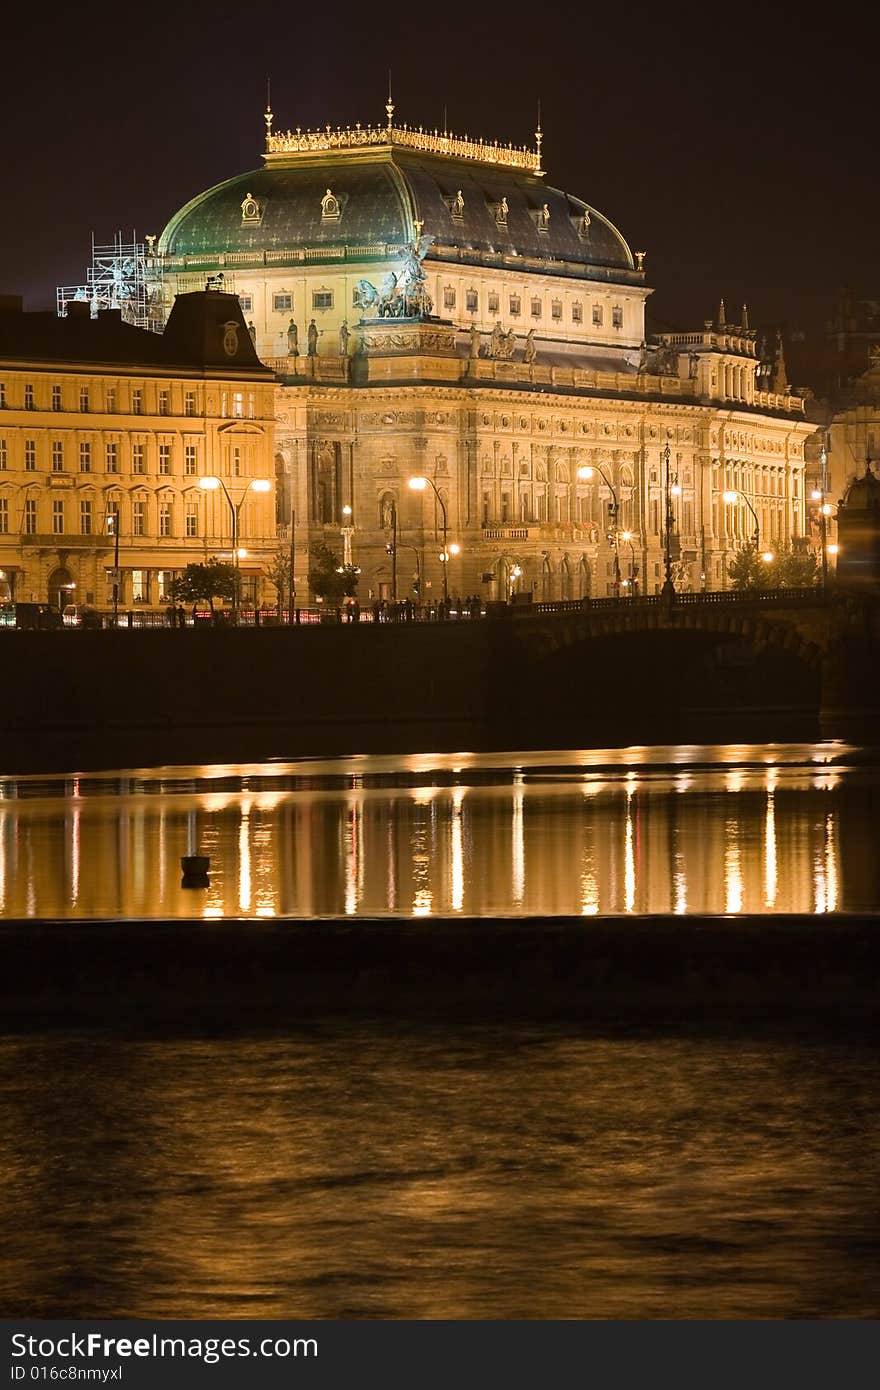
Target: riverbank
133, 976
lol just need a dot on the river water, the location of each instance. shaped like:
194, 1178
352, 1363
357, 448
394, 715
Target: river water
350, 1168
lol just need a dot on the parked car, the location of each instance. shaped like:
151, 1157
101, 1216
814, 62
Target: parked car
80, 615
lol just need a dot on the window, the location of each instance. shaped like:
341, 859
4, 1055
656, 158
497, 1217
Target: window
247, 302
189, 403
238, 405
515, 306
164, 458
322, 299
111, 453
85, 458
140, 586
190, 459
57, 456
252, 405
138, 458
449, 298
30, 455
617, 317
165, 579
29, 403
112, 517
163, 402
505, 506
192, 519
471, 301
30, 517
138, 517
85, 517
164, 518
536, 308
84, 398
597, 315
282, 303
56, 398
3, 455
485, 509
4, 514
236, 461
577, 313
2, 395
556, 309
58, 516
137, 401
493, 304
111, 399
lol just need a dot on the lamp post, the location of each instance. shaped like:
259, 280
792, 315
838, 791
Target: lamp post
347, 530
818, 495
586, 472
113, 526
671, 489
627, 536
211, 484
730, 496
418, 484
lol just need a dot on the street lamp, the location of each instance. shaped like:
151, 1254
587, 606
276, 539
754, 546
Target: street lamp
113, 527
259, 485
418, 484
627, 536
671, 489
730, 497
586, 472
347, 529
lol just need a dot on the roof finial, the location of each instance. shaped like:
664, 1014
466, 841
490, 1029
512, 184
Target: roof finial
389, 105
745, 318
722, 316
268, 113
539, 137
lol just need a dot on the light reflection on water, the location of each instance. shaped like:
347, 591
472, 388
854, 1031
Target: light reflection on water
732, 829
479, 1173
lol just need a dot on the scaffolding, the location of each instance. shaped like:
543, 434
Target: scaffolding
122, 277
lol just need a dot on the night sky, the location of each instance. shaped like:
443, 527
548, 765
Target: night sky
743, 159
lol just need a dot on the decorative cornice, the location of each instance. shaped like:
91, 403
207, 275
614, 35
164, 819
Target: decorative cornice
284, 145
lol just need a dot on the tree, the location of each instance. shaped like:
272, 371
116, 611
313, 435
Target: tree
328, 578
278, 574
793, 570
748, 570
205, 583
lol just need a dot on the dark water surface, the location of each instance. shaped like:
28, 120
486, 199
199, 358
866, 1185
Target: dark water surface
485, 1172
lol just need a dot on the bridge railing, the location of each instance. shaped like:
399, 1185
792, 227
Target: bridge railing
762, 598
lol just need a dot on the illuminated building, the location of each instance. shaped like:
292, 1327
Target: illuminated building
99, 419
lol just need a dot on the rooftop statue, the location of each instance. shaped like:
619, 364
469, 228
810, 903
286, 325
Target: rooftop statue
400, 296
501, 344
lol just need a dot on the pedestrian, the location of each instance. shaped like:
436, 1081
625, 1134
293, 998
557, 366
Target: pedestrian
355, 612
181, 615
375, 610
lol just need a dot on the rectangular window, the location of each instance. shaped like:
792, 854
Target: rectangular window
138, 518
505, 506
190, 459
56, 398
282, 303
30, 455
536, 308
238, 405
165, 579
236, 462
192, 519
164, 518
4, 458
163, 402
247, 302
112, 517
85, 517
112, 458
515, 306
85, 458
29, 403
57, 456
138, 458
58, 516
189, 403
84, 398
597, 315
485, 509
493, 304
137, 401
617, 317
140, 586
322, 299
556, 309
2, 395
111, 400
30, 517
252, 405
577, 313
4, 514
448, 298
164, 458
471, 301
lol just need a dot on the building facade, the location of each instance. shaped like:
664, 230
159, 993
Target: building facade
106, 432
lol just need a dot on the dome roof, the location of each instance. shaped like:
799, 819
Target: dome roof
863, 493
475, 212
